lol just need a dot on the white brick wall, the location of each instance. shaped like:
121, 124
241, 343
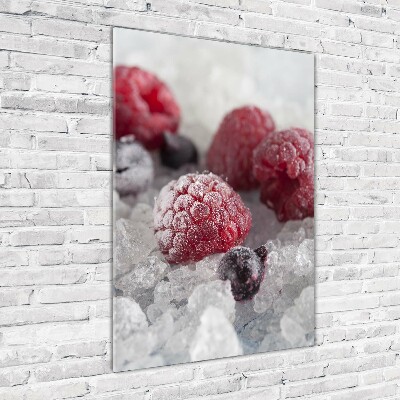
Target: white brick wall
55, 197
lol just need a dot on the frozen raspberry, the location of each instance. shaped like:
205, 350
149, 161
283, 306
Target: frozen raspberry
177, 151
198, 215
133, 168
144, 106
245, 269
230, 154
284, 164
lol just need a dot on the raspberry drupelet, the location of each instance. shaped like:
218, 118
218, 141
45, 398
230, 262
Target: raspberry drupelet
284, 165
230, 153
144, 106
198, 215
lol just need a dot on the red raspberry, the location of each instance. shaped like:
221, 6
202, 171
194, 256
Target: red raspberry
198, 215
284, 164
230, 154
144, 106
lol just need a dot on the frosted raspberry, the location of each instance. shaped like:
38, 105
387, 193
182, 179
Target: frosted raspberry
144, 106
198, 215
230, 154
284, 164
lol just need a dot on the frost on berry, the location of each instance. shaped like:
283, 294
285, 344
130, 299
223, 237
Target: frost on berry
284, 165
143, 106
244, 268
230, 153
133, 168
198, 215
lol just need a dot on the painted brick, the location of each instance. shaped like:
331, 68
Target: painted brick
14, 25
46, 46
70, 30
35, 238
58, 65
23, 315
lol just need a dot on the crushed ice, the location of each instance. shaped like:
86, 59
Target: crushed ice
167, 315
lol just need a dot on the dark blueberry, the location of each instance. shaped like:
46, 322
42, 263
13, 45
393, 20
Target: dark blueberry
133, 168
261, 252
245, 269
177, 151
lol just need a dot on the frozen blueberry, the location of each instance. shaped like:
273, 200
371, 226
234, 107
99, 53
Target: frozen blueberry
133, 168
177, 151
245, 269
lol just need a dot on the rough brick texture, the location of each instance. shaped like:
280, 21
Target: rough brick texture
55, 199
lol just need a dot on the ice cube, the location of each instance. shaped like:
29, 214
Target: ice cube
140, 281
272, 342
305, 258
180, 284
161, 330
217, 294
176, 350
187, 312
289, 268
154, 311
128, 317
209, 265
130, 326
134, 242
121, 209
297, 323
255, 329
134, 349
244, 314
215, 337
138, 348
